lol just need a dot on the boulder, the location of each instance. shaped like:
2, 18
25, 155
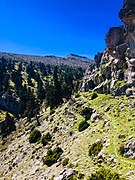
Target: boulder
97, 59
129, 150
65, 174
95, 117
132, 62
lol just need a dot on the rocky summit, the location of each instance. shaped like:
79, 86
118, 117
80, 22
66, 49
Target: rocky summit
114, 70
60, 122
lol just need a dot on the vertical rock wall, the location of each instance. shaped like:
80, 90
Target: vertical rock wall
115, 70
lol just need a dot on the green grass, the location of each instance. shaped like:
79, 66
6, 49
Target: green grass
79, 144
76, 146
2, 115
119, 123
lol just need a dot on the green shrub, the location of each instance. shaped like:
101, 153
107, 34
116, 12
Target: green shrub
44, 141
35, 135
65, 161
87, 112
121, 150
95, 148
77, 95
46, 138
55, 129
80, 176
71, 165
52, 156
94, 95
83, 125
105, 174
52, 111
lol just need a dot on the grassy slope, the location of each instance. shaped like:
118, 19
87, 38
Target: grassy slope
121, 117
2, 115
67, 118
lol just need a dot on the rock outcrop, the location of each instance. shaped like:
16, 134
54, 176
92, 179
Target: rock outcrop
128, 150
115, 69
10, 101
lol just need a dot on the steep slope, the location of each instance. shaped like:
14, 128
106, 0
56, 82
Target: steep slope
24, 86
62, 133
111, 123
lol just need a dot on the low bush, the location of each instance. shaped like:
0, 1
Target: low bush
77, 95
87, 112
65, 161
52, 111
52, 156
94, 95
35, 135
95, 148
105, 174
44, 141
83, 125
121, 150
55, 129
80, 176
46, 138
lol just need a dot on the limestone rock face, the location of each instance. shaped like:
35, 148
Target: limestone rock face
127, 15
115, 37
128, 9
97, 59
114, 70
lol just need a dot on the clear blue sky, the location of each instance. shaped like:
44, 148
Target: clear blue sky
56, 27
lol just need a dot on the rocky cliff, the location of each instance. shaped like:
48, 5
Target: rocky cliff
114, 70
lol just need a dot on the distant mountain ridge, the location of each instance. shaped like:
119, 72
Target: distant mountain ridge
70, 60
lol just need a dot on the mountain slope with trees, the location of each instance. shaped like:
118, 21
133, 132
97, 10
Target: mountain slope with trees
49, 129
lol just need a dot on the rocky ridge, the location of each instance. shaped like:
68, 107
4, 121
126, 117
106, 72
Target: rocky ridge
70, 60
114, 71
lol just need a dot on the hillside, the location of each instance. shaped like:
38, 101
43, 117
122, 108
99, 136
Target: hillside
61, 121
111, 122
25, 86
70, 60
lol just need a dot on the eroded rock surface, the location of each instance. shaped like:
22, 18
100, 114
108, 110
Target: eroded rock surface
115, 69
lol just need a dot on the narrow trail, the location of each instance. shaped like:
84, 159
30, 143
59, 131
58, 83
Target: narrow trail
116, 131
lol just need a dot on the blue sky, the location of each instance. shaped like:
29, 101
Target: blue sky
56, 27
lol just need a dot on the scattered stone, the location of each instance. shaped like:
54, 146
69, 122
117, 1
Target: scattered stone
95, 117
128, 150
107, 109
65, 174
130, 173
